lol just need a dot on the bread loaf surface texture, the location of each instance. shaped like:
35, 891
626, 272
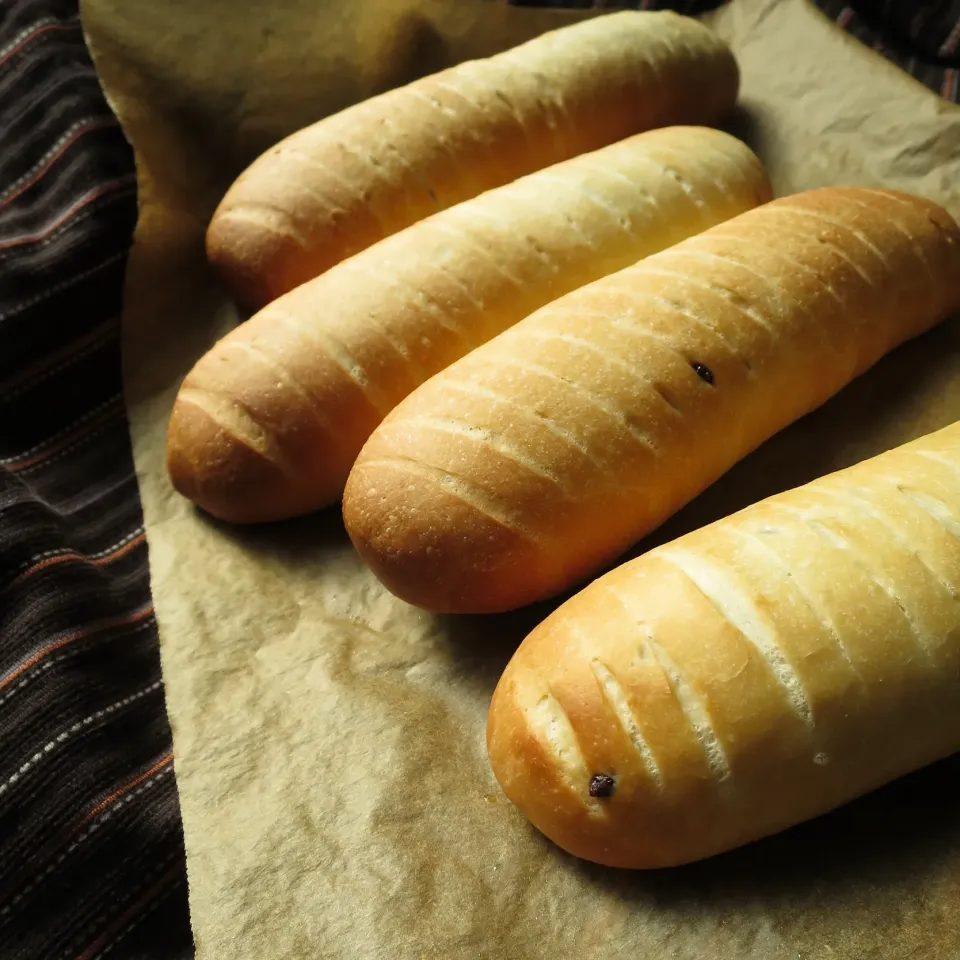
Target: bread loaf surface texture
269, 422
345, 182
526, 466
748, 676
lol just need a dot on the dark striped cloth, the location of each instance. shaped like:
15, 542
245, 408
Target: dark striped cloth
91, 848
922, 38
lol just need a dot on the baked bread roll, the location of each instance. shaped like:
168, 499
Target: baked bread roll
270, 421
748, 676
525, 467
339, 185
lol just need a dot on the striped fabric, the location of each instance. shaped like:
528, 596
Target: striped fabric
91, 851
922, 38
91, 848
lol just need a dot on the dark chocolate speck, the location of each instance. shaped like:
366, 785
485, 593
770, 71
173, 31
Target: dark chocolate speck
704, 373
602, 785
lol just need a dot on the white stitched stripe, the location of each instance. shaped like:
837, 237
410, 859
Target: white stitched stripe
72, 731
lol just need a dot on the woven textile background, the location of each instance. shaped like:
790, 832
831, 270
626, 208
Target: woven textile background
91, 851
91, 848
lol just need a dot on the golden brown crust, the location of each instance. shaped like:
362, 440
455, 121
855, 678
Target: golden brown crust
338, 186
587, 424
452, 509
238, 469
316, 370
747, 676
253, 260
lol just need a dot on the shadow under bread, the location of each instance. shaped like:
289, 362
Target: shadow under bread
866, 860
293, 542
864, 863
880, 849
743, 124
912, 391
915, 389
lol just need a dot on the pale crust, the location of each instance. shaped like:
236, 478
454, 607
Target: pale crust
338, 186
586, 425
750, 675
313, 373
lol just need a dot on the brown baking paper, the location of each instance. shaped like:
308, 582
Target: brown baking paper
336, 796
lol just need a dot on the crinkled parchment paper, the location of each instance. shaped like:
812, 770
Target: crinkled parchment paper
336, 796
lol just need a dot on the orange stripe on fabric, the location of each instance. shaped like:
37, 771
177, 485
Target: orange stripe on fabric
93, 628
110, 187
95, 124
130, 913
126, 788
948, 88
846, 15
67, 838
71, 555
46, 28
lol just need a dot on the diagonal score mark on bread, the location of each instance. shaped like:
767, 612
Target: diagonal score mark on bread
733, 299
870, 570
382, 165
692, 706
814, 635
856, 501
617, 699
393, 315
549, 722
933, 507
678, 309
492, 440
612, 359
887, 195
231, 417
259, 353
596, 400
522, 412
732, 602
794, 584
756, 341
469, 493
